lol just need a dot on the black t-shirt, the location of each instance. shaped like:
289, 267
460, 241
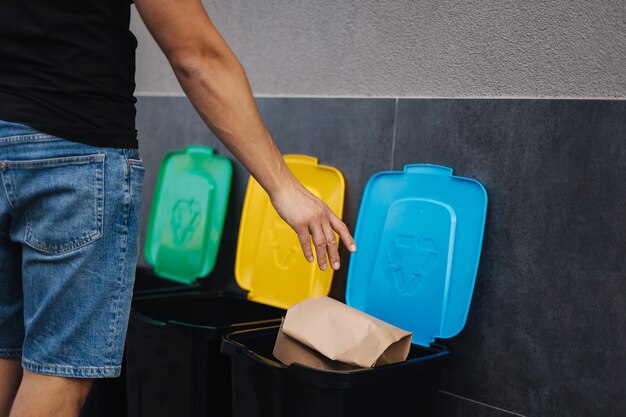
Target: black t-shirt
67, 68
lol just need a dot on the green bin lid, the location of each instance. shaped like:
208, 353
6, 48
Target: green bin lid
187, 213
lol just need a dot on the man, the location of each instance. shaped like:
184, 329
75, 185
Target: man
71, 181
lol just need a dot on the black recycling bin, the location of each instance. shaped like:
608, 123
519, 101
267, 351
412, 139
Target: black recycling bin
419, 234
173, 362
264, 387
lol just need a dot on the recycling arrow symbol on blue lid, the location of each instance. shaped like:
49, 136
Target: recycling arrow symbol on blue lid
411, 259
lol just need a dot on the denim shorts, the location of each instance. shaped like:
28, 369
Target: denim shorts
69, 230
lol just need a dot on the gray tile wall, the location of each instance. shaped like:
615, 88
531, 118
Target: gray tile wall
546, 334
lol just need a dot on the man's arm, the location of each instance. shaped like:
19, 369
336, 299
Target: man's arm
216, 84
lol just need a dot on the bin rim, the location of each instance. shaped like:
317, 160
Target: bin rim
330, 378
166, 286
221, 329
191, 292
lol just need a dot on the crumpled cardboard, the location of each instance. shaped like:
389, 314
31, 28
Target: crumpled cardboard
326, 334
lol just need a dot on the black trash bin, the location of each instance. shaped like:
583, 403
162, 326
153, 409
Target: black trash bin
174, 364
173, 360
264, 387
419, 234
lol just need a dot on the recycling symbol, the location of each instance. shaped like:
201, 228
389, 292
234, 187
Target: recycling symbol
411, 259
185, 216
284, 244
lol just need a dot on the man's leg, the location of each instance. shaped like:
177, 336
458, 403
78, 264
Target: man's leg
10, 377
50, 396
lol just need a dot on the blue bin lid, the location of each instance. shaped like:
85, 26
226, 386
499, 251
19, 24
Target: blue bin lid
419, 235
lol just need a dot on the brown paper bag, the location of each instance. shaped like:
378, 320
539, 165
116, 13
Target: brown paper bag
326, 334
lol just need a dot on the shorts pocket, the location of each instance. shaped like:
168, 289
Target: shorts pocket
137, 172
61, 198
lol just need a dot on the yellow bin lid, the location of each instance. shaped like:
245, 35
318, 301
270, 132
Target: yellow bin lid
270, 264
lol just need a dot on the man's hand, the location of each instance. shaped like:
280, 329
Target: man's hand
310, 217
217, 85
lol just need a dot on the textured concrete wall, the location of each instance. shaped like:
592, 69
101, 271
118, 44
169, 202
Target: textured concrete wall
420, 48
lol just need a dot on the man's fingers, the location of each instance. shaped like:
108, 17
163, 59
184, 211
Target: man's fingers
344, 234
331, 246
305, 242
320, 243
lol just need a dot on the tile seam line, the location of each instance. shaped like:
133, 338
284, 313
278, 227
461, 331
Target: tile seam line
569, 98
393, 135
484, 404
